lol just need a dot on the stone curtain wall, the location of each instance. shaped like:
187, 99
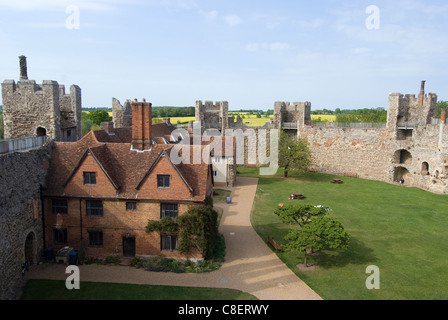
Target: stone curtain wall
21, 175
365, 153
374, 154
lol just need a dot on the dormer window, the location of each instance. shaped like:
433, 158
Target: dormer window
90, 178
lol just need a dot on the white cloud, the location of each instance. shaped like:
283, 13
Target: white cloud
52, 5
279, 46
233, 20
266, 46
209, 15
252, 47
310, 24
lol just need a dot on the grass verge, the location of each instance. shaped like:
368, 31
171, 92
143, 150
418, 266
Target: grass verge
401, 230
56, 290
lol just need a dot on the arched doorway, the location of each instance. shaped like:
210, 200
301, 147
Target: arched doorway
41, 132
30, 248
401, 173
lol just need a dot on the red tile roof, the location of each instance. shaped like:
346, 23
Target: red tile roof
124, 135
125, 168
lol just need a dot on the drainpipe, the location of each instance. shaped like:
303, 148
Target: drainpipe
80, 218
43, 215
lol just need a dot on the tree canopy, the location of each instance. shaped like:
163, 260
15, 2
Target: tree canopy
97, 116
294, 154
324, 232
441, 105
300, 214
197, 229
316, 230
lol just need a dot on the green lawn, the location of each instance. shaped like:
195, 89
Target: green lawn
403, 231
56, 290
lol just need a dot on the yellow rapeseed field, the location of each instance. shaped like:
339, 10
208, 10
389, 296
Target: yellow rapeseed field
249, 120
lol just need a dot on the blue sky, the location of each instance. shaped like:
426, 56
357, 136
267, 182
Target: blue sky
250, 53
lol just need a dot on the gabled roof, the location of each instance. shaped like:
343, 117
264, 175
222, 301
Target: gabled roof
102, 164
124, 135
164, 154
126, 169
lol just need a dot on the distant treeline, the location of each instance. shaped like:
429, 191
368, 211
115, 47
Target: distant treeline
160, 112
355, 115
173, 112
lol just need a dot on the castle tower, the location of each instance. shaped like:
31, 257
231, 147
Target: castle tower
293, 117
31, 109
213, 116
410, 111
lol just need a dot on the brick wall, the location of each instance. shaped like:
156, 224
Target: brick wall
102, 188
177, 190
115, 224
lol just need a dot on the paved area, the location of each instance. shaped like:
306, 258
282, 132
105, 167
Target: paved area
250, 265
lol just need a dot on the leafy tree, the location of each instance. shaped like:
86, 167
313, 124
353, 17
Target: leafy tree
98, 116
322, 233
294, 154
197, 228
362, 115
86, 125
441, 105
300, 214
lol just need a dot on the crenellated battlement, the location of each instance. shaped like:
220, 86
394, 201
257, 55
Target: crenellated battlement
410, 108
213, 115
31, 109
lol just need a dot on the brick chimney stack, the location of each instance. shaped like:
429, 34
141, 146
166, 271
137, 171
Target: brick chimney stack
421, 95
141, 125
443, 116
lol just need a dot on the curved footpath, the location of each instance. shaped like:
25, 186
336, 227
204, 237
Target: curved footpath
250, 265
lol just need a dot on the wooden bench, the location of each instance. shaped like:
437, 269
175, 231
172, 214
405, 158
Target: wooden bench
274, 244
339, 181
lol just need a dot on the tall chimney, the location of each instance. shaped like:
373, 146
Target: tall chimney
23, 68
141, 125
421, 95
443, 117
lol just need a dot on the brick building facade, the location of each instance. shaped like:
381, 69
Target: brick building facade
103, 194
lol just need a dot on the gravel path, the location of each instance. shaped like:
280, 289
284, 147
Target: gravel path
250, 265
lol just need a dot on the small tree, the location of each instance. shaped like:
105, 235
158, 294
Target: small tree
294, 154
98, 116
324, 232
301, 214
